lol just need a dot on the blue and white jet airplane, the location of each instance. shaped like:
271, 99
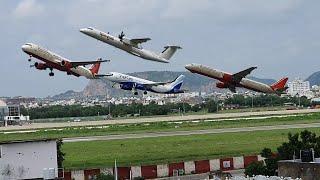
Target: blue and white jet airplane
126, 82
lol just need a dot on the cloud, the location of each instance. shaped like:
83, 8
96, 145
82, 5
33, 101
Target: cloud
28, 8
177, 9
224, 10
111, 13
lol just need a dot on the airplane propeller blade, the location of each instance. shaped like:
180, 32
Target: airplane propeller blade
121, 35
31, 66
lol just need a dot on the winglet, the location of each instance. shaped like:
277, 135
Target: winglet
280, 85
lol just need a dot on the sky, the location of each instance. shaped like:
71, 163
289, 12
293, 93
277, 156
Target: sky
281, 38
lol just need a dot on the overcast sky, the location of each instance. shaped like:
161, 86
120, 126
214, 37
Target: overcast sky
281, 37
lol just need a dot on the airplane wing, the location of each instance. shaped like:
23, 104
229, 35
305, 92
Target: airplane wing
103, 75
237, 77
83, 63
139, 40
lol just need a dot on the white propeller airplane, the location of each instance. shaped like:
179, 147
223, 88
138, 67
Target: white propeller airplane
132, 46
54, 61
132, 83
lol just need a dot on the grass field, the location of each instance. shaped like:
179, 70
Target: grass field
159, 126
171, 149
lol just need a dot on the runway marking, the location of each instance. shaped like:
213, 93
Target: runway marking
193, 132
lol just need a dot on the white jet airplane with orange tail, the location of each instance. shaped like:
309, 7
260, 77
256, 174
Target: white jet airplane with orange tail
231, 81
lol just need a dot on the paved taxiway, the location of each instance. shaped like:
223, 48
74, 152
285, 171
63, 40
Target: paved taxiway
156, 119
194, 132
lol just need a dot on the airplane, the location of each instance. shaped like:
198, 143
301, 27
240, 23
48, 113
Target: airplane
132, 46
126, 82
55, 61
231, 81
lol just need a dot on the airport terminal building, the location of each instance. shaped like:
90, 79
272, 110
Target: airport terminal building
10, 115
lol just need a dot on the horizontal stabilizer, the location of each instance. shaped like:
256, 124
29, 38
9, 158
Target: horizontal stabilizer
168, 51
103, 75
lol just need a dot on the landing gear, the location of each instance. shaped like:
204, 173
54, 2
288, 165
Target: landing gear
30, 58
145, 92
51, 73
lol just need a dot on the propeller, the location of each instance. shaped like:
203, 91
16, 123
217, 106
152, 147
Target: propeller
121, 36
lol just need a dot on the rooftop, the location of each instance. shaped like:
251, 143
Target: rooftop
26, 141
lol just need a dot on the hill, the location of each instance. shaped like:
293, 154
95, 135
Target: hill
193, 82
314, 78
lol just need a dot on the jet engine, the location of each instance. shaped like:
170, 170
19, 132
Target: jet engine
221, 85
117, 86
66, 65
40, 66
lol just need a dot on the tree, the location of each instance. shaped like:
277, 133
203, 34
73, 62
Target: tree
304, 140
211, 105
103, 176
60, 154
255, 168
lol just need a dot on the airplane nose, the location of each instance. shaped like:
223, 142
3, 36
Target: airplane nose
188, 66
84, 30
24, 47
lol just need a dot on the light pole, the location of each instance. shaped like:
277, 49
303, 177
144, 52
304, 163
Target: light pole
251, 102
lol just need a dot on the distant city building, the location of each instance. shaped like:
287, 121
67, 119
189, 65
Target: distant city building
10, 115
300, 88
4, 111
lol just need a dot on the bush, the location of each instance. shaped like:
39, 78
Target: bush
255, 168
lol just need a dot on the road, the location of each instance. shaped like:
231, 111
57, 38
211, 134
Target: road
194, 132
156, 119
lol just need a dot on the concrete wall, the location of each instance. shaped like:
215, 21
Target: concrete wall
26, 160
306, 171
165, 170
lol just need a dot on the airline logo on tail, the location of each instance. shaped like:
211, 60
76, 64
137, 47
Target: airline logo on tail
95, 68
280, 85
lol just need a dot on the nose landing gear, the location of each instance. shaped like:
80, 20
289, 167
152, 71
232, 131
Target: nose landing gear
51, 73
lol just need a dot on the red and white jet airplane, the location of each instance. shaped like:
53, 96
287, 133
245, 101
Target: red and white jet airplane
231, 81
54, 61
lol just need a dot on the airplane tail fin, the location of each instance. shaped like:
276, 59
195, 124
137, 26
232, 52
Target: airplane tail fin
177, 83
95, 68
168, 51
280, 85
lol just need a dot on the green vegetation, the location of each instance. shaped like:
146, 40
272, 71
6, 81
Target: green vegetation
171, 149
305, 140
160, 126
152, 109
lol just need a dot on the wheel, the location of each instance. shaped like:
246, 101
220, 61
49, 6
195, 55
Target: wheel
51, 74
29, 59
145, 92
135, 93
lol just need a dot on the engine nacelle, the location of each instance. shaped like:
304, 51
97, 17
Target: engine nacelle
221, 85
40, 66
66, 64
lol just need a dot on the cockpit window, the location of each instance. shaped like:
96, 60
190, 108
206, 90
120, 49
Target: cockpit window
28, 44
90, 28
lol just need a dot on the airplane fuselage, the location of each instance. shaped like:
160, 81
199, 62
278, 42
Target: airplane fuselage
127, 82
54, 60
116, 42
225, 77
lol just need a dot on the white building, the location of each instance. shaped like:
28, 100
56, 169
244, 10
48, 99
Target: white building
28, 159
300, 88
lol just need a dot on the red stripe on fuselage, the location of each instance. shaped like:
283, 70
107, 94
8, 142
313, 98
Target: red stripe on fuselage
52, 64
226, 79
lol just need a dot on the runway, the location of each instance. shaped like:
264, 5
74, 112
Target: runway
156, 119
194, 132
